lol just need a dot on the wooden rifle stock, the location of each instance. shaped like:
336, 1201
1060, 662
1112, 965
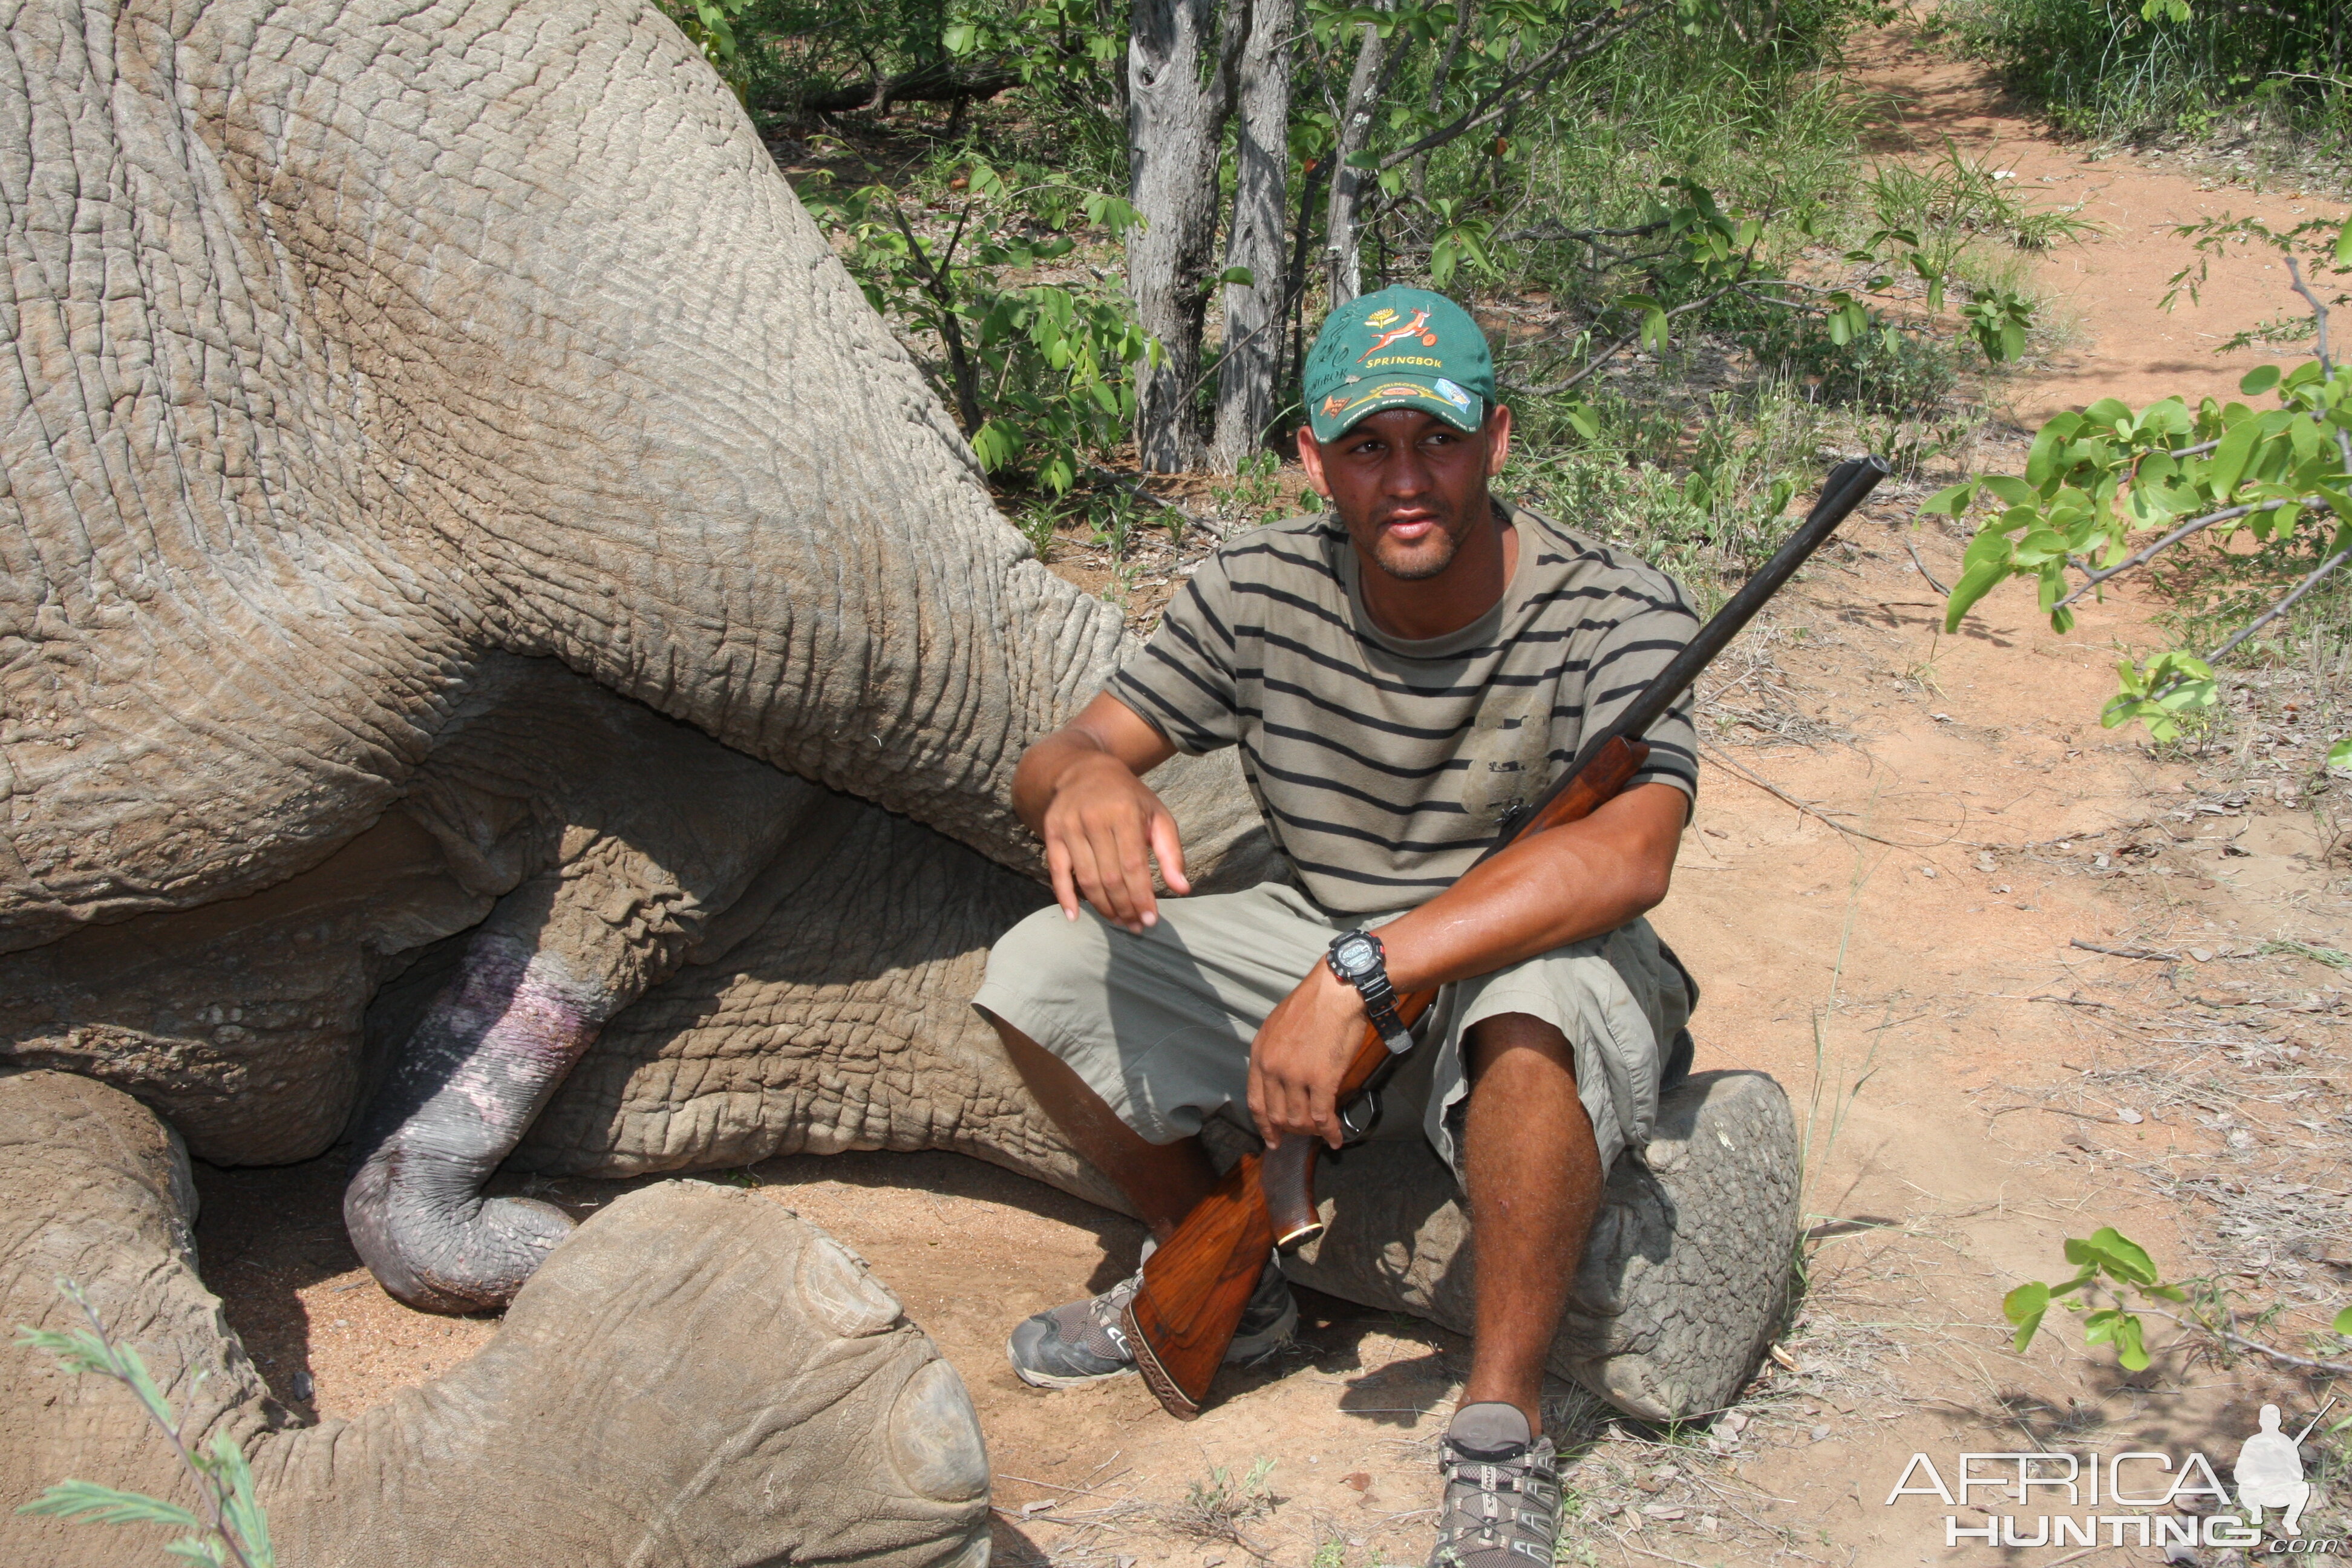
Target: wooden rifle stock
1196, 1287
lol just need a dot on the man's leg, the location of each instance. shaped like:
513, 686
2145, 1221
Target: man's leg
1535, 1179
1534, 1175
1163, 1180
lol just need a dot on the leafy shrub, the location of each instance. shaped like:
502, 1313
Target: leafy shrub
1041, 375
2124, 67
2098, 484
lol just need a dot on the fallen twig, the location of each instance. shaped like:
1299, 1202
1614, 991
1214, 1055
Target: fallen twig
2229, 1336
1660, 1556
2056, 1110
1808, 807
2126, 951
1924, 572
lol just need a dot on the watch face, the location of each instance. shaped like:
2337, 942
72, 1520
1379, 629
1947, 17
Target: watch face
1356, 955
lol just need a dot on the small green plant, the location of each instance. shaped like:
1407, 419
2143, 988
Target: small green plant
2335, 958
231, 1532
2109, 1265
2111, 1270
1332, 1553
1214, 1507
1255, 494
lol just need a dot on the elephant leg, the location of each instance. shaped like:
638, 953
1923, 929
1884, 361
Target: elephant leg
698, 1377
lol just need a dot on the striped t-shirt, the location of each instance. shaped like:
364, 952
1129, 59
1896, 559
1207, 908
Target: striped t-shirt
1384, 766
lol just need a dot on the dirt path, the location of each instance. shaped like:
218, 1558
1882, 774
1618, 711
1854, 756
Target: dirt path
2107, 290
1899, 953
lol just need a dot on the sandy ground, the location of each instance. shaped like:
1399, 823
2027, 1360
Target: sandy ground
1882, 897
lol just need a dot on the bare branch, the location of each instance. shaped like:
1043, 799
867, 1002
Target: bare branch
1605, 355
2283, 606
2093, 579
1588, 40
2226, 1336
1923, 569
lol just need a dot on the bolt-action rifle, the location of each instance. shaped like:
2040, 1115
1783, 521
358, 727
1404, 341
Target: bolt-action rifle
1183, 1316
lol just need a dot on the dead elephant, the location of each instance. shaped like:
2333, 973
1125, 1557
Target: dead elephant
501, 653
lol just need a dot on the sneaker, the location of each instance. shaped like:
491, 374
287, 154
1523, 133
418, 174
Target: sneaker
1502, 1492
1082, 1343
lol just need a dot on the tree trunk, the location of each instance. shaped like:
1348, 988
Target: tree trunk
1246, 391
1342, 264
1176, 110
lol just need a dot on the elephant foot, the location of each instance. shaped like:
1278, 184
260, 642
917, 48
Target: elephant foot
697, 1377
1684, 1279
482, 1062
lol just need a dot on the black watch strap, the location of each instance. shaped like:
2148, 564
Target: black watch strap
1371, 984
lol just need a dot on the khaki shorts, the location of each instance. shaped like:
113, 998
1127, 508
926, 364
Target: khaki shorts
1161, 1025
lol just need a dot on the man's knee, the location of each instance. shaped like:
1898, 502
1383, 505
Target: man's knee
1044, 945
1491, 1038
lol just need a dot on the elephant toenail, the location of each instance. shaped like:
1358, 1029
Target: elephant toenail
935, 1438
836, 1286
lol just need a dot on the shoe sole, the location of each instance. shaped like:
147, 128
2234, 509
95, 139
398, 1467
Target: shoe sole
1036, 1379
1257, 1347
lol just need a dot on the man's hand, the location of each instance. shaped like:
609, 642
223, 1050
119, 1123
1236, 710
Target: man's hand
1301, 1052
1081, 789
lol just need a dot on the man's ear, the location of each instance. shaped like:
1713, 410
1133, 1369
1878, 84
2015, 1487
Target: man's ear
1311, 458
1498, 439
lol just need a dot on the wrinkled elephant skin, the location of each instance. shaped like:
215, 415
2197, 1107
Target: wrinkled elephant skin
453, 492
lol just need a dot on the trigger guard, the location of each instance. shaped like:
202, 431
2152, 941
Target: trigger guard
1366, 1106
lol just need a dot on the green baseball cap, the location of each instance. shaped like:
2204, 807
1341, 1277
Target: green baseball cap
1401, 348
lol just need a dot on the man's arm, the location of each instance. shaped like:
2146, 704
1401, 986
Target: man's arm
1081, 790
1553, 888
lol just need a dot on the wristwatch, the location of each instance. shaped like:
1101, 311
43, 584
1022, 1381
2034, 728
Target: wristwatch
1357, 958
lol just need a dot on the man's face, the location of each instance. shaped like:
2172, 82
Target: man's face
1409, 486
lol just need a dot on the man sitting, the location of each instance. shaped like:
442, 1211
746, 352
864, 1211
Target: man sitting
1403, 674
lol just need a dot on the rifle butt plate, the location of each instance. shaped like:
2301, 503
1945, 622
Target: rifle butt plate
1172, 1399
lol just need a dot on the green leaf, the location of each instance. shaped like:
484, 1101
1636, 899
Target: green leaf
2025, 1306
1952, 501
1974, 584
958, 40
2038, 547
2130, 1349
1240, 275
2230, 459
1584, 419
96, 1504
2259, 380
2343, 1324
2110, 1249
2339, 755
2012, 491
